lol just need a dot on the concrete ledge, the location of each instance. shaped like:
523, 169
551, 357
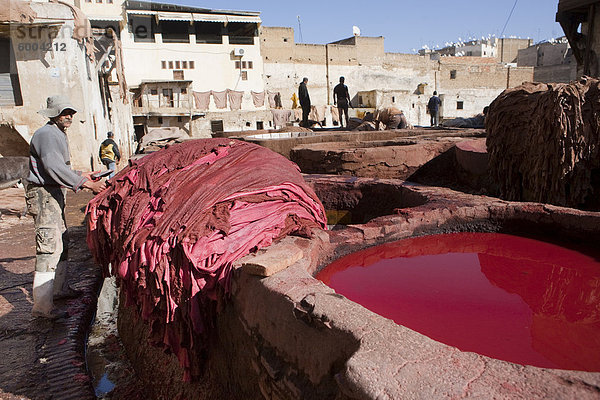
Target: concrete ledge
273, 259
472, 156
288, 336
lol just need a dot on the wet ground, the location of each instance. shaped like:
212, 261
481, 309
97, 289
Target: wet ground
42, 359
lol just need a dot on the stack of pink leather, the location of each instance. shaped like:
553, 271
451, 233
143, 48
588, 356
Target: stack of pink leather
173, 222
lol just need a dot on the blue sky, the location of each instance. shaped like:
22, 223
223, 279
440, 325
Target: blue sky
405, 24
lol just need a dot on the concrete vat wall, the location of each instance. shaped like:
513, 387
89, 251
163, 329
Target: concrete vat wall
288, 336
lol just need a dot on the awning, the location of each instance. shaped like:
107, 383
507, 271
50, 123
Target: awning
105, 18
175, 16
244, 18
200, 17
141, 12
226, 18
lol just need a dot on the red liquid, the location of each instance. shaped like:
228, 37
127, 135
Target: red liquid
506, 297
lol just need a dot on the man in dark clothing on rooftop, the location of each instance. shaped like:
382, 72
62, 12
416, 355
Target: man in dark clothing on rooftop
304, 102
109, 153
434, 108
342, 98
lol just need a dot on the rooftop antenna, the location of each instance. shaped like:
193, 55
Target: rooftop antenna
356, 30
300, 29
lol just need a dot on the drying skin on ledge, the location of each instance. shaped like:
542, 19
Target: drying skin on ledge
173, 222
543, 142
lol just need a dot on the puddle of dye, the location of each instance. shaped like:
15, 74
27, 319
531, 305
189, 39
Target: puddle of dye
506, 297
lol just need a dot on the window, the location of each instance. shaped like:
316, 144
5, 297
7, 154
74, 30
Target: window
244, 75
250, 65
137, 97
238, 65
184, 64
216, 126
178, 75
183, 90
10, 87
170, 64
175, 31
160, 120
244, 66
393, 99
153, 92
177, 65
241, 32
167, 100
179, 119
98, 1
260, 125
453, 74
163, 64
191, 65
209, 32
143, 28
285, 39
459, 105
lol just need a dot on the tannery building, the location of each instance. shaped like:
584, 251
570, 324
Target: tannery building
46, 49
195, 69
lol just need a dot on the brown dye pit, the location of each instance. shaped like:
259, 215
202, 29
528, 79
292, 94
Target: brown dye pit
506, 297
349, 203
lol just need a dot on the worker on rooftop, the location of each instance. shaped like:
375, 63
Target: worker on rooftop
304, 101
341, 97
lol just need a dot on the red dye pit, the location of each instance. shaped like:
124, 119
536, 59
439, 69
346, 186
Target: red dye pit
506, 297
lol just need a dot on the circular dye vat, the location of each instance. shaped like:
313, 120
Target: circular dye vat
506, 297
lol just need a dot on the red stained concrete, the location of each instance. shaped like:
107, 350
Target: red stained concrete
472, 156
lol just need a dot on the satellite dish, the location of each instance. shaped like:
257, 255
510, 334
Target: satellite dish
356, 30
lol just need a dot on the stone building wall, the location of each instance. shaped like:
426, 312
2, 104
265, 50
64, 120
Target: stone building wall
404, 81
508, 48
50, 61
563, 73
579, 20
552, 62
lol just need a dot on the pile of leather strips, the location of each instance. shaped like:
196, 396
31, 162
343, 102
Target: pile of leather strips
172, 223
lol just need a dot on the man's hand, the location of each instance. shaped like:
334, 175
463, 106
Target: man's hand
89, 174
95, 186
